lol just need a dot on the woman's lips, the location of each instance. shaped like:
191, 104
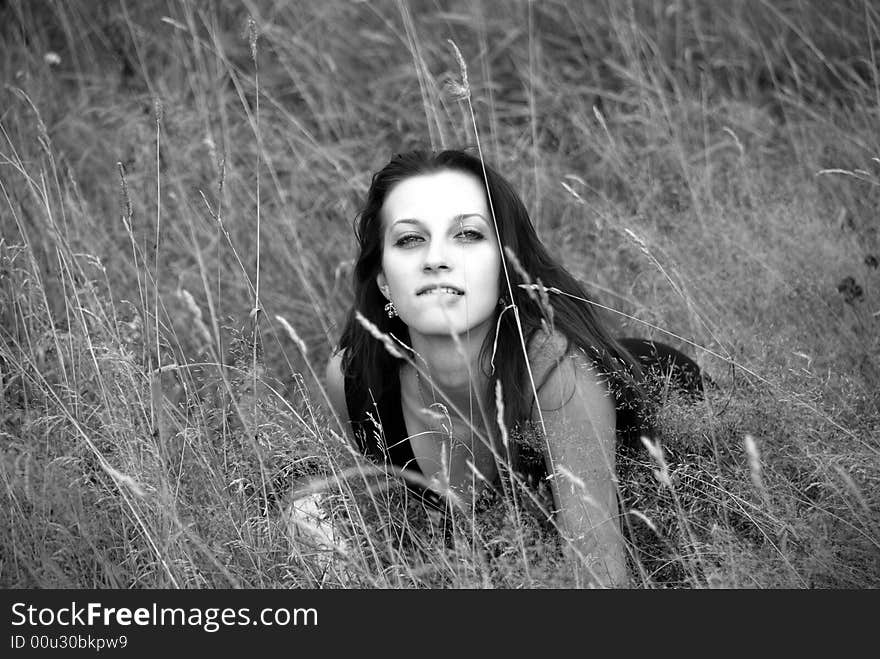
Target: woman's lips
440, 290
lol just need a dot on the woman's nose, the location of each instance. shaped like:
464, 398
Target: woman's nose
436, 257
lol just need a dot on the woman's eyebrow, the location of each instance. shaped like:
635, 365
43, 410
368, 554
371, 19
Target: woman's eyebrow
405, 220
465, 216
456, 219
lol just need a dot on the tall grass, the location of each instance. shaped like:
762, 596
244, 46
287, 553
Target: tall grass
178, 183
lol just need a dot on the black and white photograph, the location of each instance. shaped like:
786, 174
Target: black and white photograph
423, 295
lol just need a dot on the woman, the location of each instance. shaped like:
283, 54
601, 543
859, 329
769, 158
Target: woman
478, 355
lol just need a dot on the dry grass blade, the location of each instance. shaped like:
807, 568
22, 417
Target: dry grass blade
386, 340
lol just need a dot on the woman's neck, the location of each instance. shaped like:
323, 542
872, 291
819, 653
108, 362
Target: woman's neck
453, 367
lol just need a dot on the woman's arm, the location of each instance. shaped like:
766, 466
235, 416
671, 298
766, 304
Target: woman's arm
334, 382
579, 422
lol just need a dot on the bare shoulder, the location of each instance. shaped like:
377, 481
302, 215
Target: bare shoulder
546, 350
334, 365
545, 345
334, 380
567, 378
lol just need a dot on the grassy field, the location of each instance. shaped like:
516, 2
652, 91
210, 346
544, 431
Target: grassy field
179, 182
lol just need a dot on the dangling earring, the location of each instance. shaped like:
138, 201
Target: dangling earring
390, 309
502, 302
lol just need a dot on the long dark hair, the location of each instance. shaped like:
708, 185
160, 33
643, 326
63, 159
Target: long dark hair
368, 362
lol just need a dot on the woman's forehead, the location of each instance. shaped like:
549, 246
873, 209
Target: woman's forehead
444, 194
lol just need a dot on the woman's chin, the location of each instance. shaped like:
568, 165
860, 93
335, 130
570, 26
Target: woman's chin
439, 324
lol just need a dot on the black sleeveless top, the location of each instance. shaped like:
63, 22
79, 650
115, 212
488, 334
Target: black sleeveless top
382, 419
380, 430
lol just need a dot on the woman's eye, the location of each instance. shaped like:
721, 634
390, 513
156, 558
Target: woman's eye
470, 235
407, 240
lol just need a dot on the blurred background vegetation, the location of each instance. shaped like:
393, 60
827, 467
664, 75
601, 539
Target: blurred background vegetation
711, 171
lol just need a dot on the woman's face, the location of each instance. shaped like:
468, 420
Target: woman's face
440, 257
